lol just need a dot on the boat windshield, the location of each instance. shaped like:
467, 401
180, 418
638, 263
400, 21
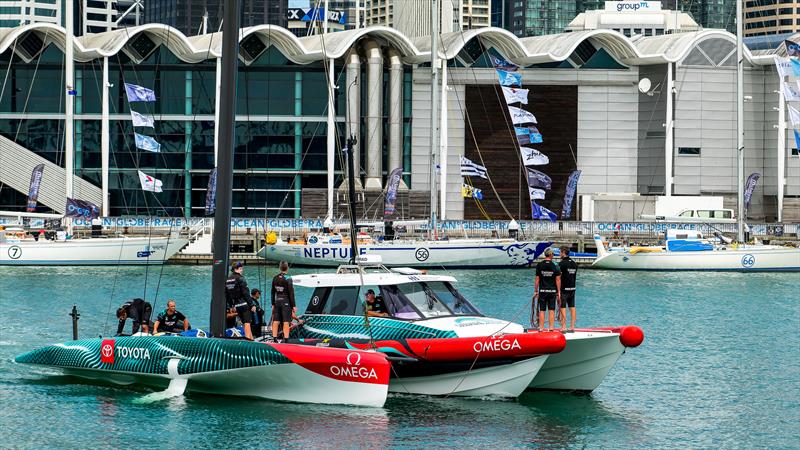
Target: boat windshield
450, 297
432, 299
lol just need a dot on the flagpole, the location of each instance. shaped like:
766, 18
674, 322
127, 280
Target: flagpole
739, 122
105, 137
781, 147
443, 148
434, 110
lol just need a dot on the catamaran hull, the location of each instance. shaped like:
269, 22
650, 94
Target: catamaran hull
454, 254
99, 251
504, 380
588, 357
744, 260
283, 372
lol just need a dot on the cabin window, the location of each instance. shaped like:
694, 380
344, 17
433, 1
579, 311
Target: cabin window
704, 214
424, 300
342, 301
688, 151
450, 297
398, 305
723, 214
317, 301
688, 213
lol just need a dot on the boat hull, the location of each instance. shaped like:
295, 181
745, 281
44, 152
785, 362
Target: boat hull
99, 251
283, 372
743, 260
453, 254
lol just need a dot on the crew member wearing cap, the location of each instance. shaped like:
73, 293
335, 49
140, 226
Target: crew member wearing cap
283, 305
238, 296
547, 287
375, 305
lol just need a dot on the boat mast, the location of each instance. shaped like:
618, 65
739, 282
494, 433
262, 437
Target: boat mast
739, 122
69, 104
225, 140
434, 111
349, 150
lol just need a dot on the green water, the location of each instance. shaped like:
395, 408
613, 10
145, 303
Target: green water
719, 367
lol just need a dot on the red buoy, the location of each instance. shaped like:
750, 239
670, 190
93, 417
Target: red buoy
631, 336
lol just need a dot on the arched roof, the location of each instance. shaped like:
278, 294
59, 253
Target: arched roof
525, 51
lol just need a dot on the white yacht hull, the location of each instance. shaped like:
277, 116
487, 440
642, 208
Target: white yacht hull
506, 380
582, 365
753, 258
97, 251
465, 253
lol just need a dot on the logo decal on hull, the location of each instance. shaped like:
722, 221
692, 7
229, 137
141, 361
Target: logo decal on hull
748, 261
107, 351
354, 369
422, 254
496, 345
14, 252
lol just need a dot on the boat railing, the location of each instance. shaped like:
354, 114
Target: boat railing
199, 229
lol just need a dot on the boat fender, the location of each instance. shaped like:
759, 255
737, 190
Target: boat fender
631, 336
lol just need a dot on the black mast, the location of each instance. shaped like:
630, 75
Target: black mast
225, 140
351, 197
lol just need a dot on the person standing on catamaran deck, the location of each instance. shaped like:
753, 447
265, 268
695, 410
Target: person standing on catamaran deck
569, 271
547, 287
238, 296
283, 305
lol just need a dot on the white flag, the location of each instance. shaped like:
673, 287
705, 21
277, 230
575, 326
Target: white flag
532, 157
515, 95
521, 116
536, 194
794, 116
783, 66
791, 93
141, 120
149, 183
470, 169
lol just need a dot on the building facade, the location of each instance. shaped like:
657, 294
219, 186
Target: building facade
188, 15
14, 13
766, 17
583, 89
644, 21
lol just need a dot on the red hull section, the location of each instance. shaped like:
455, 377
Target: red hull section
629, 335
340, 364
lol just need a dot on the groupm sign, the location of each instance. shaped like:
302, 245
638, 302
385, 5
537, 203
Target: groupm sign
633, 6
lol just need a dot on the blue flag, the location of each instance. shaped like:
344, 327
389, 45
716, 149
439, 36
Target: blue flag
794, 63
510, 79
81, 209
569, 193
33, 190
537, 179
138, 93
749, 187
796, 139
211, 192
528, 135
146, 143
541, 213
501, 64
391, 191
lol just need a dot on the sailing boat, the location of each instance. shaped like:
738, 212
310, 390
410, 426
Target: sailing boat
690, 250
225, 366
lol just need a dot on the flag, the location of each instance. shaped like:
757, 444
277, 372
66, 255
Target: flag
794, 116
81, 209
211, 192
532, 157
501, 64
509, 78
538, 179
147, 143
515, 95
794, 63
391, 191
141, 120
791, 93
749, 187
796, 139
528, 135
519, 115
569, 193
468, 191
33, 190
541, 213
470, 169
792, 48
149, 183
784, 67
138, 93
536, 194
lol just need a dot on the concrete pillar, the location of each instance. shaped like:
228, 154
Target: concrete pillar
374, 138
105, 138
395, 112
354, 109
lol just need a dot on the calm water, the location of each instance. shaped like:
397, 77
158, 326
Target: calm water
719, 367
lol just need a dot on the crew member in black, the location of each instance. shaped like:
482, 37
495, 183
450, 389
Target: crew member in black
258, 317
238, 296
139, 311
376, 307
547, 286
283, 306
569, 271
171, 320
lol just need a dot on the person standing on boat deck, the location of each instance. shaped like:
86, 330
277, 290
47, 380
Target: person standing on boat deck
547, 286
171, 320
258, 316
238, 296
283, 306
569, 271
139, 311
375, 305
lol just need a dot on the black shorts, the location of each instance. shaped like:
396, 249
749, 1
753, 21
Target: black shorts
282, 312
245, 315
547, 300
567, 299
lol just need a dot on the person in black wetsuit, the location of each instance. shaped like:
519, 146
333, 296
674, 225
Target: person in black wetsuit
283, 305
258, 317
547, 286
171, 320
238, 296
139, 312
569, 271
376, 307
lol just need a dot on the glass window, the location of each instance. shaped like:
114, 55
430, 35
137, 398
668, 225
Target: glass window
342, 301
424, 300
687, 213
450, 297
705, 214
689, 151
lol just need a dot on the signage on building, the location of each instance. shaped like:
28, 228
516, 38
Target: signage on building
633, 6
315, 15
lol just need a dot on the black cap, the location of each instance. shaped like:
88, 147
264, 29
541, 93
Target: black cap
236, 265
370, 291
